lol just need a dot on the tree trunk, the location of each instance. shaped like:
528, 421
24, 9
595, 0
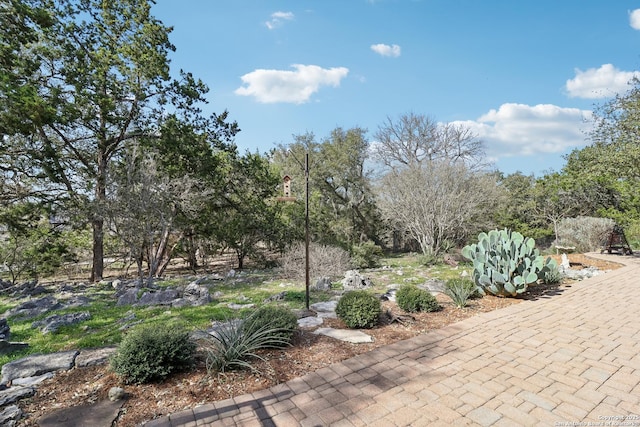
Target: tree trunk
97, 221
97, 269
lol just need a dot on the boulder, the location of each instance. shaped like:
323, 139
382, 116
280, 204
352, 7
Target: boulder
53, 323
323, 284
94, 357
325, 309
13, 394
165, 297
355, 281
37, 364
128, 297
35, 307
196, 295
10, 416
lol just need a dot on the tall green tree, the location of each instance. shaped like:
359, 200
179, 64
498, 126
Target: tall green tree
342, 203
250, 223
102, 79
611, 163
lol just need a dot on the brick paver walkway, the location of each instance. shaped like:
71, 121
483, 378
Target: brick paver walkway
568, 359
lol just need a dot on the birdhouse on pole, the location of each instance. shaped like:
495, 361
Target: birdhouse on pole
286, 185
286, 190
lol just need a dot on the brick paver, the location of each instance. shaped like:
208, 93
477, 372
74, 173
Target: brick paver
568, 359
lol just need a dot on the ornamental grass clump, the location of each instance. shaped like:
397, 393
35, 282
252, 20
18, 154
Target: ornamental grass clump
281, 321
234, 344
412, 299
151, 353
359, 309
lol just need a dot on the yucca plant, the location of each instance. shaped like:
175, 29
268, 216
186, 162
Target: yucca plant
233, 346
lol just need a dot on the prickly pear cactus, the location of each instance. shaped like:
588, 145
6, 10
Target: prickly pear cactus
505, 262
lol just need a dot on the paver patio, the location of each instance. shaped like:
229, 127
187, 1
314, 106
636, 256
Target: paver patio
572, 358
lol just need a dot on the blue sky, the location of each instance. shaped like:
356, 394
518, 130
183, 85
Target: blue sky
523, 75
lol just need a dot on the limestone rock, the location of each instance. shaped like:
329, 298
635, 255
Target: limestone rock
53, 323
354, 281
93, 357
116, 393
38, 364
165, 297
325, 309
347, 335
10, 416
323, 284
310, 322
13, 394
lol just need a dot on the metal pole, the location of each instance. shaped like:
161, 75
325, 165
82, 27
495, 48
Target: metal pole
306, 228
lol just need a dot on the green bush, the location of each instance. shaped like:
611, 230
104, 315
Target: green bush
152, 352
359, 309
281, 321
460, 290
366, 255
412, 299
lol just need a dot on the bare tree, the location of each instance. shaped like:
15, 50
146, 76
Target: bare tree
437, 204
414, 139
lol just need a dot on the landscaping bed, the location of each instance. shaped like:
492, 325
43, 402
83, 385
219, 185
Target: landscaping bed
308, 353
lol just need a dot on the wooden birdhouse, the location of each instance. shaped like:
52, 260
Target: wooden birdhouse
286, 190
286, 186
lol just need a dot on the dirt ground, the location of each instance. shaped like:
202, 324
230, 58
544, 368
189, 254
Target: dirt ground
308, 353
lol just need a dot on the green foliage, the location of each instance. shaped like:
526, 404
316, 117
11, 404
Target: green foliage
366, 255
552, 275
460, 290
505, 262
32, 247
235, 343
359, 309
342, 204
412, 299
152, 352
429, 259
281, 321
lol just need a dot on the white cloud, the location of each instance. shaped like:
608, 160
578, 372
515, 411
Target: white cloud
634, 19
271, 86
277, 19
386, 50
602, 82
524, 130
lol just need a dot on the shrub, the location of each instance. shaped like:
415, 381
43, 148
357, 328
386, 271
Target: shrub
552, 275
152, 352
281, 321
234, 343
324, 261
460, 290
359, 309
586, 234
365, 255
412, 299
